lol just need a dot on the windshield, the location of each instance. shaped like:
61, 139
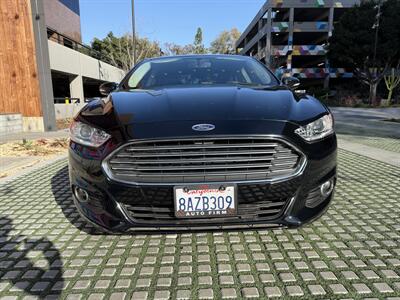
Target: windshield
200, 71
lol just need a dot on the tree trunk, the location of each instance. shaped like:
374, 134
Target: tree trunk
326, 82
372, 93
389, 98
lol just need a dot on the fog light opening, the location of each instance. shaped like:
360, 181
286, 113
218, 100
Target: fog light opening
327, 188
81, 194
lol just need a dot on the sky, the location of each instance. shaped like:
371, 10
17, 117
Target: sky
166, 20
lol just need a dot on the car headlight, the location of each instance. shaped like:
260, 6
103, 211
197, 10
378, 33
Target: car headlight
87, 135
316, 130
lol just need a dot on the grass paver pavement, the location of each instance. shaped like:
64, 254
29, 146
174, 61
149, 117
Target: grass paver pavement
353, 251
388, 144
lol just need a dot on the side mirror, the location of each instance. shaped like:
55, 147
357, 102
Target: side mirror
107, 87
291, 82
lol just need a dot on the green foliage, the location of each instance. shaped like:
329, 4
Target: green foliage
196, 48
353, 42
27, 144
119, 50
198, 43
171, 49
225, 42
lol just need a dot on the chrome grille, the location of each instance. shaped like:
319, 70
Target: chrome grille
257, 211
204, 160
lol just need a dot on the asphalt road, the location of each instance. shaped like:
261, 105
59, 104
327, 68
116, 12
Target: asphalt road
368, 122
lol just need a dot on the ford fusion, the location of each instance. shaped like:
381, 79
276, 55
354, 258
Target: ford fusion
202, 142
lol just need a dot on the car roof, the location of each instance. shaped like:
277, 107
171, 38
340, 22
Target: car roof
196, 56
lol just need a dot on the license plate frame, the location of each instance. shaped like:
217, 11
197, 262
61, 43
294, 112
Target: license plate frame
203, 214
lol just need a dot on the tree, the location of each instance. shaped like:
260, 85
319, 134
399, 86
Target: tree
196, 48
198, 42
225, 42
119, 50
392, 80
175, 49
353, 42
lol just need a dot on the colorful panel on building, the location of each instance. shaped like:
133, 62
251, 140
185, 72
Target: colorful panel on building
299, 22
308, 73
339, 73
278, 3
280, 27
322, 25
298, 50
310, 26
309, 50
310, 3
314, 73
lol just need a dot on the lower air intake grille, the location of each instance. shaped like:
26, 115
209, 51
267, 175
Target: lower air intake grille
262, 210
223, 159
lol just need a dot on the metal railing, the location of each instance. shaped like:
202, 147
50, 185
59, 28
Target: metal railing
66, 100
66, 41
69, 100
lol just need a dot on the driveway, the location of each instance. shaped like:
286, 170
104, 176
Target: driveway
353, 251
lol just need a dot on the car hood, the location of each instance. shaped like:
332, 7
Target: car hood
207, 104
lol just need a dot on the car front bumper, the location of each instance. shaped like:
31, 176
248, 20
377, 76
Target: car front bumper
113, 206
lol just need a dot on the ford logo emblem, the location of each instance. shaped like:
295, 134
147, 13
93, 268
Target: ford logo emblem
203, 127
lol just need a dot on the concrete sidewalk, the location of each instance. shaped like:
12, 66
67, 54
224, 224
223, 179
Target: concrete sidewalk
389, 157
377, 113
13, 167
64, 133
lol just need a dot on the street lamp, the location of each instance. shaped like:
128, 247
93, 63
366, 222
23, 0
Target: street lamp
133, 32
376, 27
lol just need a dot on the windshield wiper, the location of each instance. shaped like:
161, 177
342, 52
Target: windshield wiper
245, 83
258, 86
270, 87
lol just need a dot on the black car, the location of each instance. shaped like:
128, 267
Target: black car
202, 142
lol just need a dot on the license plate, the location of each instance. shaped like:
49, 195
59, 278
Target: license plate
205, 201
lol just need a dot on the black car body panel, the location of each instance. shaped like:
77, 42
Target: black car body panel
213, 104
170, 113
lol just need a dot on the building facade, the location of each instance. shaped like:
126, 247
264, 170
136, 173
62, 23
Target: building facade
63, 16
42, 67
291, 37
